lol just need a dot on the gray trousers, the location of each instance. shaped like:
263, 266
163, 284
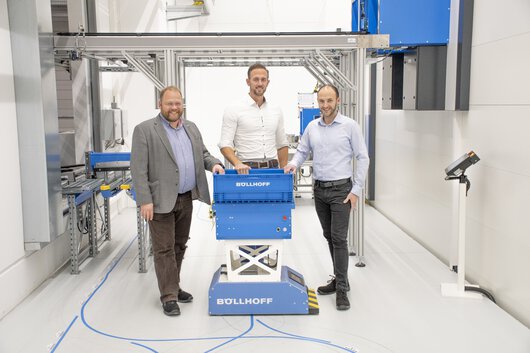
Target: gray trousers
169, 235
334, 216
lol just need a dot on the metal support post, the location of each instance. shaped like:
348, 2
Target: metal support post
169, 67
458, 289
461, 281
180, 71
360, 116
347, 66
180, 78
143, 236
74, 241
106, 208
92, 226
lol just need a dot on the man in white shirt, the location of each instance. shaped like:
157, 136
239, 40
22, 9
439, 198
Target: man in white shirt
252, 134
335, 141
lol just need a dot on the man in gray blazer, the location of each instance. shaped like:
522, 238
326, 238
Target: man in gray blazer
168, 163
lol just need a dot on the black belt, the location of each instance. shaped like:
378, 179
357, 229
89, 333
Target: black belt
330, 183
271, 163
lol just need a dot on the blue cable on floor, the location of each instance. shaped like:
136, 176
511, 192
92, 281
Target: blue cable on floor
141, 345
228, 339
64, 334
235, 338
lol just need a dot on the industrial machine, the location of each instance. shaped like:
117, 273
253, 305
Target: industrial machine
115, 167
82, 206
253, 218
105, 175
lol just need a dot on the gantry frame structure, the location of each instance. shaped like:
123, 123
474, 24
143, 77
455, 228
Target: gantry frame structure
336, 58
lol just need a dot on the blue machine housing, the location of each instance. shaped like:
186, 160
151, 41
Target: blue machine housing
307, 115
408, 22
253, 221
289, 296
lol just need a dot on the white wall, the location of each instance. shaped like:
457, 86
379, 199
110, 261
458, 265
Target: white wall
12, 248
413, 148
271, 16
20, 271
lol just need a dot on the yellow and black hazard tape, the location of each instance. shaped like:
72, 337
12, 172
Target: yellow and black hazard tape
312, 302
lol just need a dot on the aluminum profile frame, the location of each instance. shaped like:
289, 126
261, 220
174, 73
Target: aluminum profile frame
180, 49
220, 41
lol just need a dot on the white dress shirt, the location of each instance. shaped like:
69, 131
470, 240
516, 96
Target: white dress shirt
255, 133
334, 146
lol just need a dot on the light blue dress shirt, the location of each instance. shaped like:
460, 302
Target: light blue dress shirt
334, 146
183, 153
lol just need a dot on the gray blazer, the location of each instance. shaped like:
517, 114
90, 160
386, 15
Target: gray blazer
154, 168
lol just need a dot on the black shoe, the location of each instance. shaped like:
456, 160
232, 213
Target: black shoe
342, 300
171, 308
329, 288
184, 297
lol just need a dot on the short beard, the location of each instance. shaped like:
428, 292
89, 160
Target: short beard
168, 119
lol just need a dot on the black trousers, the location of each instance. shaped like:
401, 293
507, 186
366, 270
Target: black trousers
334, 216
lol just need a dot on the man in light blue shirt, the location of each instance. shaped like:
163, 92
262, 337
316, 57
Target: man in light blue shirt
334, 140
